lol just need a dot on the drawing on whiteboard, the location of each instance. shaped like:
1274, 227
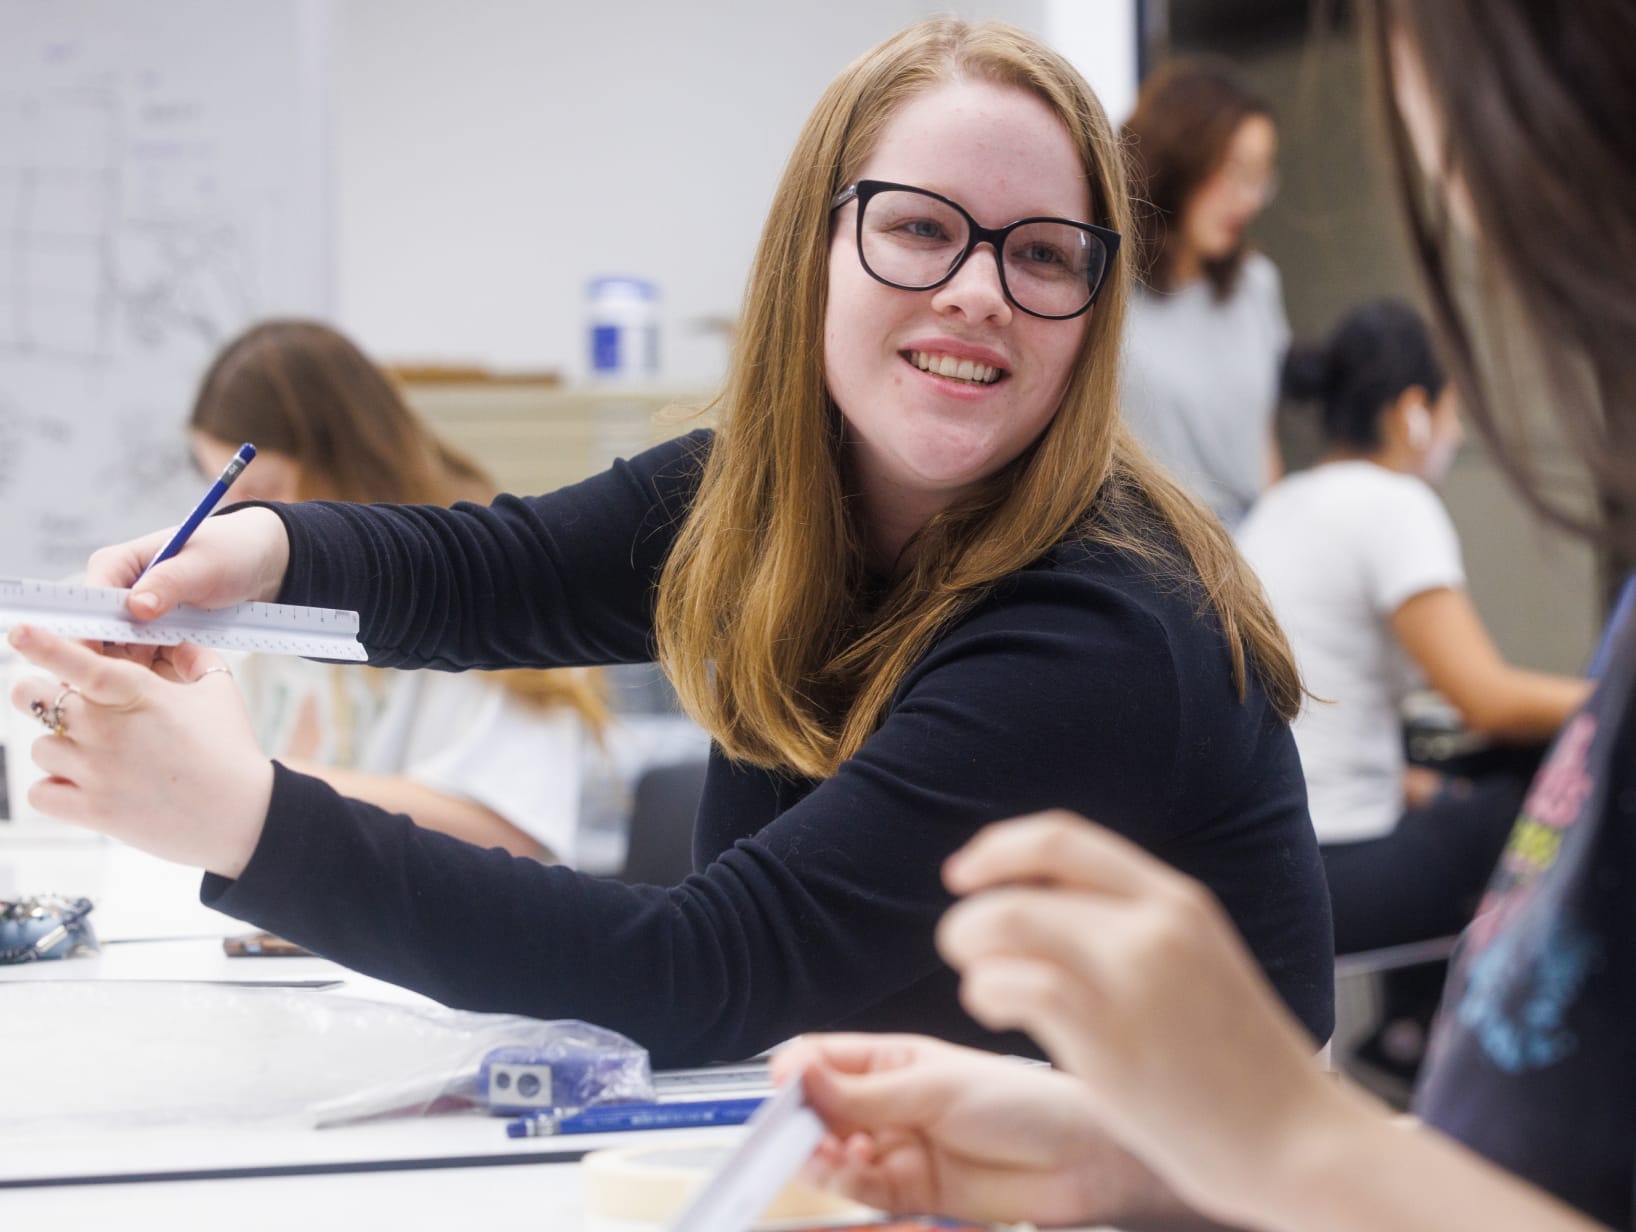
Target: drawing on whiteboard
193, 279
141, 460
101, 235
157, 193
57, 166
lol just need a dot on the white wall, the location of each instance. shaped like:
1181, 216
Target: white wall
1099, 38
492, 156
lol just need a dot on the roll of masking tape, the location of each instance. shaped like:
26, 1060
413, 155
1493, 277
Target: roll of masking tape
650, 1185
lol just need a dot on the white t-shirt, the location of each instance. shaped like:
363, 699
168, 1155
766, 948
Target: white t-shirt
1339, 548
456, 732
1200, 382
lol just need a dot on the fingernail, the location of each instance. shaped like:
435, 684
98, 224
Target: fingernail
147, 601
16, 636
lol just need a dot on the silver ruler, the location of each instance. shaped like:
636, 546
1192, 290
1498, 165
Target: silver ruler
780, 1137
737, 1076
98, 613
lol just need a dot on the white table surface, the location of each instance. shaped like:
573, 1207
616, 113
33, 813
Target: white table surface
254, 1172
450, 1171
510, 1198
136, 895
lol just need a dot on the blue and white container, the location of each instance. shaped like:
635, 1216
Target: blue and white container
623, 315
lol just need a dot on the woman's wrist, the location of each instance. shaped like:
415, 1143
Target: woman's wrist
246, 818
1308, 1178
277, 562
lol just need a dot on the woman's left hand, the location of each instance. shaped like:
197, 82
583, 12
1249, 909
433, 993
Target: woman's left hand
1132, 977
160, 757
916, 1124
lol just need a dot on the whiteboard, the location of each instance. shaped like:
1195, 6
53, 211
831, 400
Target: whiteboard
163, 182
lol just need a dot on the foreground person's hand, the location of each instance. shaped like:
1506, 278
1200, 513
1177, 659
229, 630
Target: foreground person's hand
919, 1125
1130, 975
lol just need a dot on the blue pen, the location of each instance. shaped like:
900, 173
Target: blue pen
616, 1118
201, 511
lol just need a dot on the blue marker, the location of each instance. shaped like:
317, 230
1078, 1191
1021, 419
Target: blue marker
616, 1118
201, 511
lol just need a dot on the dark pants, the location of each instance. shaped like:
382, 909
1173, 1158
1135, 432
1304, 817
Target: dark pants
1425, 878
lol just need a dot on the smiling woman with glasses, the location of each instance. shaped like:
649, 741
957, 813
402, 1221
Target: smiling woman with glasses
917, 579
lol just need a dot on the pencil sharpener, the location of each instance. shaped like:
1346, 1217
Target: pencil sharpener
520, 1085
577, 1066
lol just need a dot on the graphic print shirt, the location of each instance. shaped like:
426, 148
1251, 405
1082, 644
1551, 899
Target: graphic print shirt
1534, 1060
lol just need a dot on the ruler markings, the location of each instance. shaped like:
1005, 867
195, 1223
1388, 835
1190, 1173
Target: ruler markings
97, 613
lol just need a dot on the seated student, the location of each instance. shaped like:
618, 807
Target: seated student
918, 579
1510, 134
1362, 566
497, 760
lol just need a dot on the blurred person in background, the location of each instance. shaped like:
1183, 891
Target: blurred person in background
1363, 568
1206, 331
498, 759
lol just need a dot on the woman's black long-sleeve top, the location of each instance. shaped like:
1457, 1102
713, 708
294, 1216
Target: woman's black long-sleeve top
1083, 681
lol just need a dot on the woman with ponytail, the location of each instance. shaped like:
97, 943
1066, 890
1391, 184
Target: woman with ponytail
1363, 569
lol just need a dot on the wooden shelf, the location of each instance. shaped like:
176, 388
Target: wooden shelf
534, 437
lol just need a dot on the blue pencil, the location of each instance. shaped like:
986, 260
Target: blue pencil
615, 1118
201, 511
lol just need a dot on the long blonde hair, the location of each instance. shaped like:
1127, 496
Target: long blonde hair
305, 390
765, 622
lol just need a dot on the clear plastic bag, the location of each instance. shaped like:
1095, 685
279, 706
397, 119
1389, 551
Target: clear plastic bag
114, 1052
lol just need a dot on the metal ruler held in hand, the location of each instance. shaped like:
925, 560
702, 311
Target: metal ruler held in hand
98, 614
778, 1140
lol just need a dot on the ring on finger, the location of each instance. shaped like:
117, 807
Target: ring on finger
59, 723
51, 717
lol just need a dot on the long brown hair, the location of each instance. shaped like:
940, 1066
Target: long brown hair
305, 390
1536, 99
1186, 115
765, 621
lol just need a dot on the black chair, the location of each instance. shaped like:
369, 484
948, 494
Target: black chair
659, 850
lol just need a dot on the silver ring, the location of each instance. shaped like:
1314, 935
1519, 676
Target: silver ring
51, 717
226, 671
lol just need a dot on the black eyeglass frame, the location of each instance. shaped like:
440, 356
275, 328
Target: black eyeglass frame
862, 190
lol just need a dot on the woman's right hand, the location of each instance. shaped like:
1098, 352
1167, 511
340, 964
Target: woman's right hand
231, 558
1132, 977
